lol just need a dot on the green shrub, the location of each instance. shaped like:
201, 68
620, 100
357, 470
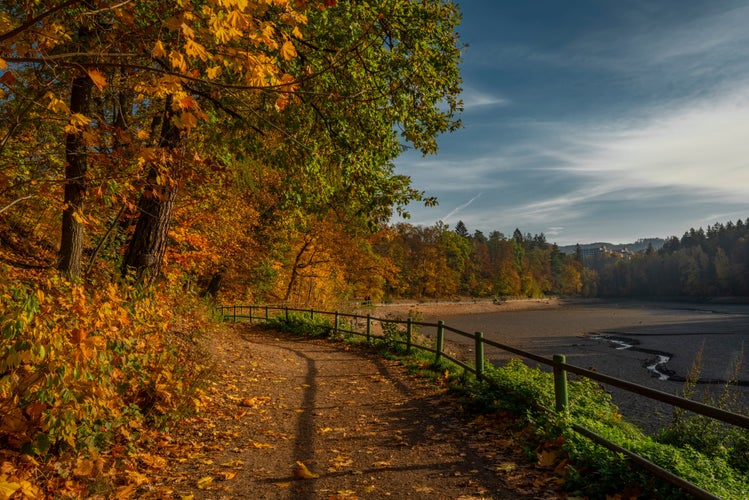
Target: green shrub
302, 324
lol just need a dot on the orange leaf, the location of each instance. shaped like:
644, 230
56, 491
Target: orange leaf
301, 471
98, 78
547, 458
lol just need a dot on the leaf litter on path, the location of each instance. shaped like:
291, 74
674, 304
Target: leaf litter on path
300, 418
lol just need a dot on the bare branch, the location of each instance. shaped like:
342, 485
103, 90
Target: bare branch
6, 207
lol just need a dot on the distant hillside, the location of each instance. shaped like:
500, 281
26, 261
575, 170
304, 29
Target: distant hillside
638, 246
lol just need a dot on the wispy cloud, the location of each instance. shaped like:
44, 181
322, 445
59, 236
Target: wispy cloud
473, 98
699, 144
448, 217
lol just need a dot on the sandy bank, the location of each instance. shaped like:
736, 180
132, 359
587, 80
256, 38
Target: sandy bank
460, 307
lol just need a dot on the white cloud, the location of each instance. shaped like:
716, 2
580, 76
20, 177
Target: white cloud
473, 98
699, 144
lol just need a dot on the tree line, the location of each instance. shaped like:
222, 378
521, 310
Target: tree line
702, 263
439, 262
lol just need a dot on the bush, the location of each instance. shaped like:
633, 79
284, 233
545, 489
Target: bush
81, 370
302, 324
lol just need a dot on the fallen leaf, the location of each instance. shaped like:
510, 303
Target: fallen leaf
255, 402
228, 475
204, 482
301, 471
506, 466
8, 488
260, 446
547, 458
83, 467
125, 492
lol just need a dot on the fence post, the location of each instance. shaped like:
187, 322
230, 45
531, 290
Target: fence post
440, 340
251, 308
266, 313
479, 337
234, 308
286, 310
311, 313
369, 328
408, 335
560, 383
335, 325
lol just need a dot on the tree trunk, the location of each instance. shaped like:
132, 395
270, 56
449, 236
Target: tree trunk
76, 164
147, 246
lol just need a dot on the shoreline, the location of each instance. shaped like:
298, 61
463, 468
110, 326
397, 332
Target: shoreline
469, 306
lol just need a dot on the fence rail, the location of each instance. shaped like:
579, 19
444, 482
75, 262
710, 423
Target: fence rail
558, 364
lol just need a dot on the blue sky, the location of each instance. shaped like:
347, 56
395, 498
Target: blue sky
596, 120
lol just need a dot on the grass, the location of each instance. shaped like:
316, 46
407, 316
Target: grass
710, 455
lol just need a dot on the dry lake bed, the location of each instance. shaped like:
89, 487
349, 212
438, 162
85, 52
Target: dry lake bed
649, 343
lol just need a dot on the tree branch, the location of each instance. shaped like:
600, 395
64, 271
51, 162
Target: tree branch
31, 22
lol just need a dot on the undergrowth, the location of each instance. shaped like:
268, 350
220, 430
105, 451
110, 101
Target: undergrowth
84, 370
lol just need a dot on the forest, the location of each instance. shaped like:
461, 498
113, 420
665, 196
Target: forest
156, 156
700, 264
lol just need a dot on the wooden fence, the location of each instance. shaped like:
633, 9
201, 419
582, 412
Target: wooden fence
342, 325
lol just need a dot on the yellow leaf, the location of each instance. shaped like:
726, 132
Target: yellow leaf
125, 492
233, 463
158, 50
55, 104
98, 78
288, 51
187, 497
301, 471
79, 120
260, 446
194, 49
228, 475
213, 72
506, 466
7, 489
236, 19
178, 61
29, 490
204, 482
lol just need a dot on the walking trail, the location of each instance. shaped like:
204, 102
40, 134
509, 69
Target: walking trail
362, 426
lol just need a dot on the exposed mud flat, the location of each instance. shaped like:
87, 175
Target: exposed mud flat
666, 339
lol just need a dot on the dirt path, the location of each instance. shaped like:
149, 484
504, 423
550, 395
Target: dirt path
368, 428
